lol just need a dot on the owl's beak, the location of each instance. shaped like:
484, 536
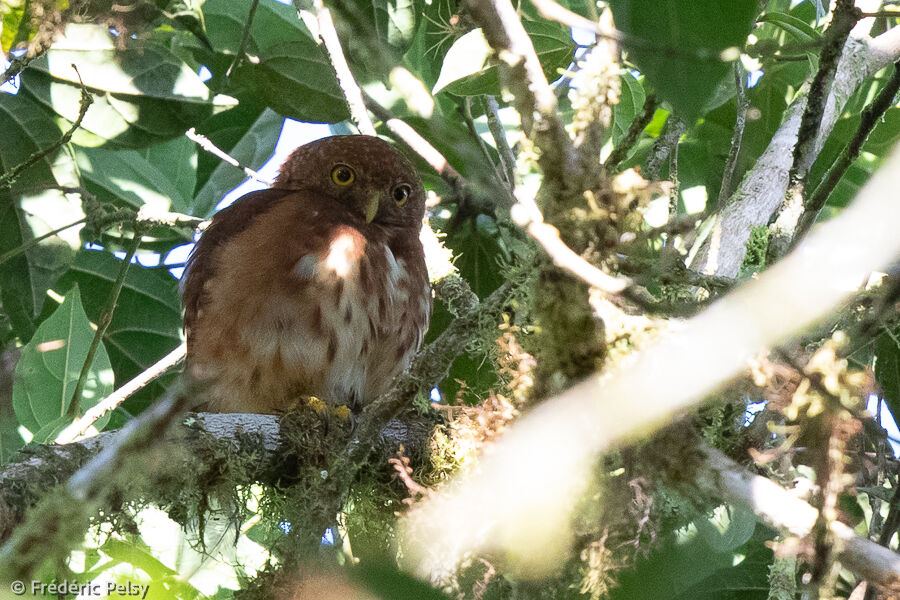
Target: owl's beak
371, 206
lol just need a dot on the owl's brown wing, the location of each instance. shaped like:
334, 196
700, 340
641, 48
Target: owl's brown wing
226, 224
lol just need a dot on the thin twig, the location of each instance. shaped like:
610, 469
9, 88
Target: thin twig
638, 124
526, 214
245, 37
10, 176
498, 178
507, 158
205, 143
106, 316
327, 36
16, 66
871, 115
417, 144
659, 152
743, 105
9, 254
881, 14
77, 429
534, 98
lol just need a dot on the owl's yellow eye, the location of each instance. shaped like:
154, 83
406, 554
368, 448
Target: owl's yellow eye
401, 194
343, 175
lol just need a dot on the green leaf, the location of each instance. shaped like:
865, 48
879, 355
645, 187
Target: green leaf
12, 12
28, 209
143, 94
679, 45
253, 149
298, 83
727, 528
273, 23
10, 440
387, 581
49, 368
479, 249
887, 369
117, 120
145, 69
176, 160
467, 70
440, 28
147, 322
631, 101
127, 178
136, 555
685, 567
799, 28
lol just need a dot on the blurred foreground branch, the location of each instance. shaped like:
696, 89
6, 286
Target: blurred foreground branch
536, 473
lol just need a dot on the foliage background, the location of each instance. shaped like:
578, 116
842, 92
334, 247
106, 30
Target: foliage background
67, 221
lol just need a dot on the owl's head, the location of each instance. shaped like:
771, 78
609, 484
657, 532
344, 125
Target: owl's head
363, 173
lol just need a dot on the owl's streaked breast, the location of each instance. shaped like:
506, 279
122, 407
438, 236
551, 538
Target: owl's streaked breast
339, 316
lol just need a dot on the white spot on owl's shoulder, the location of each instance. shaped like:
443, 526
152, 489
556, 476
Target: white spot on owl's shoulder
306, 267
340, 255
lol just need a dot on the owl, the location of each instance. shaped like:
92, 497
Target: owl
314, 287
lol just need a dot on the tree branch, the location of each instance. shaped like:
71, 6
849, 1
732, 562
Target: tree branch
106, 316
526, 214
534, 98
323, 29
764, 186
640, 122
783, 511
77, 430
844, 18
871, 115
245, 37
743, 104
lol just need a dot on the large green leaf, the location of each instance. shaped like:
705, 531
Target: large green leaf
253, 149
887, 369
144, 69
50, 365
440, 28
147, 322
143, 93
631, 101
298, 83
29, 209
467, 70
273, 23
687, 567
678, 45
128, 178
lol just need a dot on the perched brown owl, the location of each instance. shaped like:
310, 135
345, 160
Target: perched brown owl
316, 286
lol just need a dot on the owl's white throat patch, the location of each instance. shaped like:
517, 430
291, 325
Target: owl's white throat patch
341, 253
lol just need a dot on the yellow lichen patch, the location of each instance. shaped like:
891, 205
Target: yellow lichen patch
341, 412
316, 404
